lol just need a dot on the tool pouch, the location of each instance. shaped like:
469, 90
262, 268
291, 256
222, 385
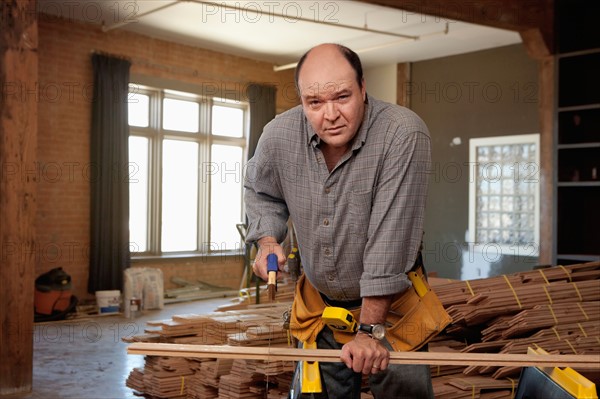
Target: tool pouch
413, 319
306, 322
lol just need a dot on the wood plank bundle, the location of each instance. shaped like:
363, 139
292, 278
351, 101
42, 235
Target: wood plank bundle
247, 297
480, 383
555, 309
212, 370
216, 327
496, 320
544, 316
278, 386
269, 334
258, 325
240, 383
162, 377
460, 291
512, 299
135, 380
269, 368
458, 387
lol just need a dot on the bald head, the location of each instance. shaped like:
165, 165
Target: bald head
329, 55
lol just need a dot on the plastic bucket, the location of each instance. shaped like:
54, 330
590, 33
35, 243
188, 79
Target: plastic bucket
108, 301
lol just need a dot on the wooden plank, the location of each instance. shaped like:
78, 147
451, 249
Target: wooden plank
331, 355
18, 185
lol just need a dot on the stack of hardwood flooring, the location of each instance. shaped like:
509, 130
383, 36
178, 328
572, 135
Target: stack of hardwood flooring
205, 382
556, 309
162, 377
221, 378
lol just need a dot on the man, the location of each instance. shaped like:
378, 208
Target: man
351, 172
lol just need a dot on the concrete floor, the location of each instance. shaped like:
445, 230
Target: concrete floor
87, 359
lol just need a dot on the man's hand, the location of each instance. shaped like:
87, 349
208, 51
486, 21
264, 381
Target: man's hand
365, 355
266, 246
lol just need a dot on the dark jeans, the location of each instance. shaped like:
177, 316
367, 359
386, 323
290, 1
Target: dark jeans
399, 381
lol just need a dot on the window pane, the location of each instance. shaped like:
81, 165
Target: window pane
180, 115
504, 178
227, 121
139, 110
179, 196
225, 197
138, 193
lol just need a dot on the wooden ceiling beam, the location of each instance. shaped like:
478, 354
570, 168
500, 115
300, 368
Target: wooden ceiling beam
533, 19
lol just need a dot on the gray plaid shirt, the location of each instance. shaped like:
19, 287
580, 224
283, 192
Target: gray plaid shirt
359, 227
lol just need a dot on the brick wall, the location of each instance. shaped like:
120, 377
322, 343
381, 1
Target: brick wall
64, 91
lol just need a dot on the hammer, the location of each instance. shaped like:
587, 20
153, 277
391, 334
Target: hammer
272, 269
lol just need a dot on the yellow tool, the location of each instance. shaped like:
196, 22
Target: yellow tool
311, 376
293, 263
568, 379
418, 284
307, 373
339, 318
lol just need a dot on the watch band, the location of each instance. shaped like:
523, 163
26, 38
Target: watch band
375, 331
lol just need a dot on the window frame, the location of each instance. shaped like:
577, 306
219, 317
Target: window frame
530, 249
156, 134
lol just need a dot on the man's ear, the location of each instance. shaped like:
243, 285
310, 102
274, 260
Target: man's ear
364, 90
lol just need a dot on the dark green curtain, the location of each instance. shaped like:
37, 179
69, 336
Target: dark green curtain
109, 236
262, 110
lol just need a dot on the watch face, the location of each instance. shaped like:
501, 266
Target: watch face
378, 331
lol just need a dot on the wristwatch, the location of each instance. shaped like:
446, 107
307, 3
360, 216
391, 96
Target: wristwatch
376, 331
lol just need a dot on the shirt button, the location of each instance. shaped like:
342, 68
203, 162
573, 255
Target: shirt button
327, 251
326, 222
327, 190
330, 277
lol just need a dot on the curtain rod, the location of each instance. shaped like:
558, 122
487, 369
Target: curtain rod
194, 72
180, 70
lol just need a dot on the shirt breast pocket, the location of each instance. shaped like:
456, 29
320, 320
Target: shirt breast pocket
359, 211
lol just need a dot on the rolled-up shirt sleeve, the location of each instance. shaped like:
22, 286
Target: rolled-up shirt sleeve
266, 210
397, 215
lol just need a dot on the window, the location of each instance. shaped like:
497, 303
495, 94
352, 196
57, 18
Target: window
504, 194
186, 155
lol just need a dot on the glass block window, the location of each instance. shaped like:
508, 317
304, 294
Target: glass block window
504, 193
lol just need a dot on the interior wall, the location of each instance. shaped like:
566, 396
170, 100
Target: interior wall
480, 94
64, 94
381, 82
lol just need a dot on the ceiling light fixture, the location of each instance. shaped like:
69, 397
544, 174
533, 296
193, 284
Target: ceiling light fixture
260, 12
279, 68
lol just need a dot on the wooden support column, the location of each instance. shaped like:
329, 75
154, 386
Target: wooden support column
403, 83
546, 71
18, 138
536, 46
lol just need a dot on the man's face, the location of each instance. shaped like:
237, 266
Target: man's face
332, 99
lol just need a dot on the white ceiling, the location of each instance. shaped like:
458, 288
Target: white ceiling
281, 31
